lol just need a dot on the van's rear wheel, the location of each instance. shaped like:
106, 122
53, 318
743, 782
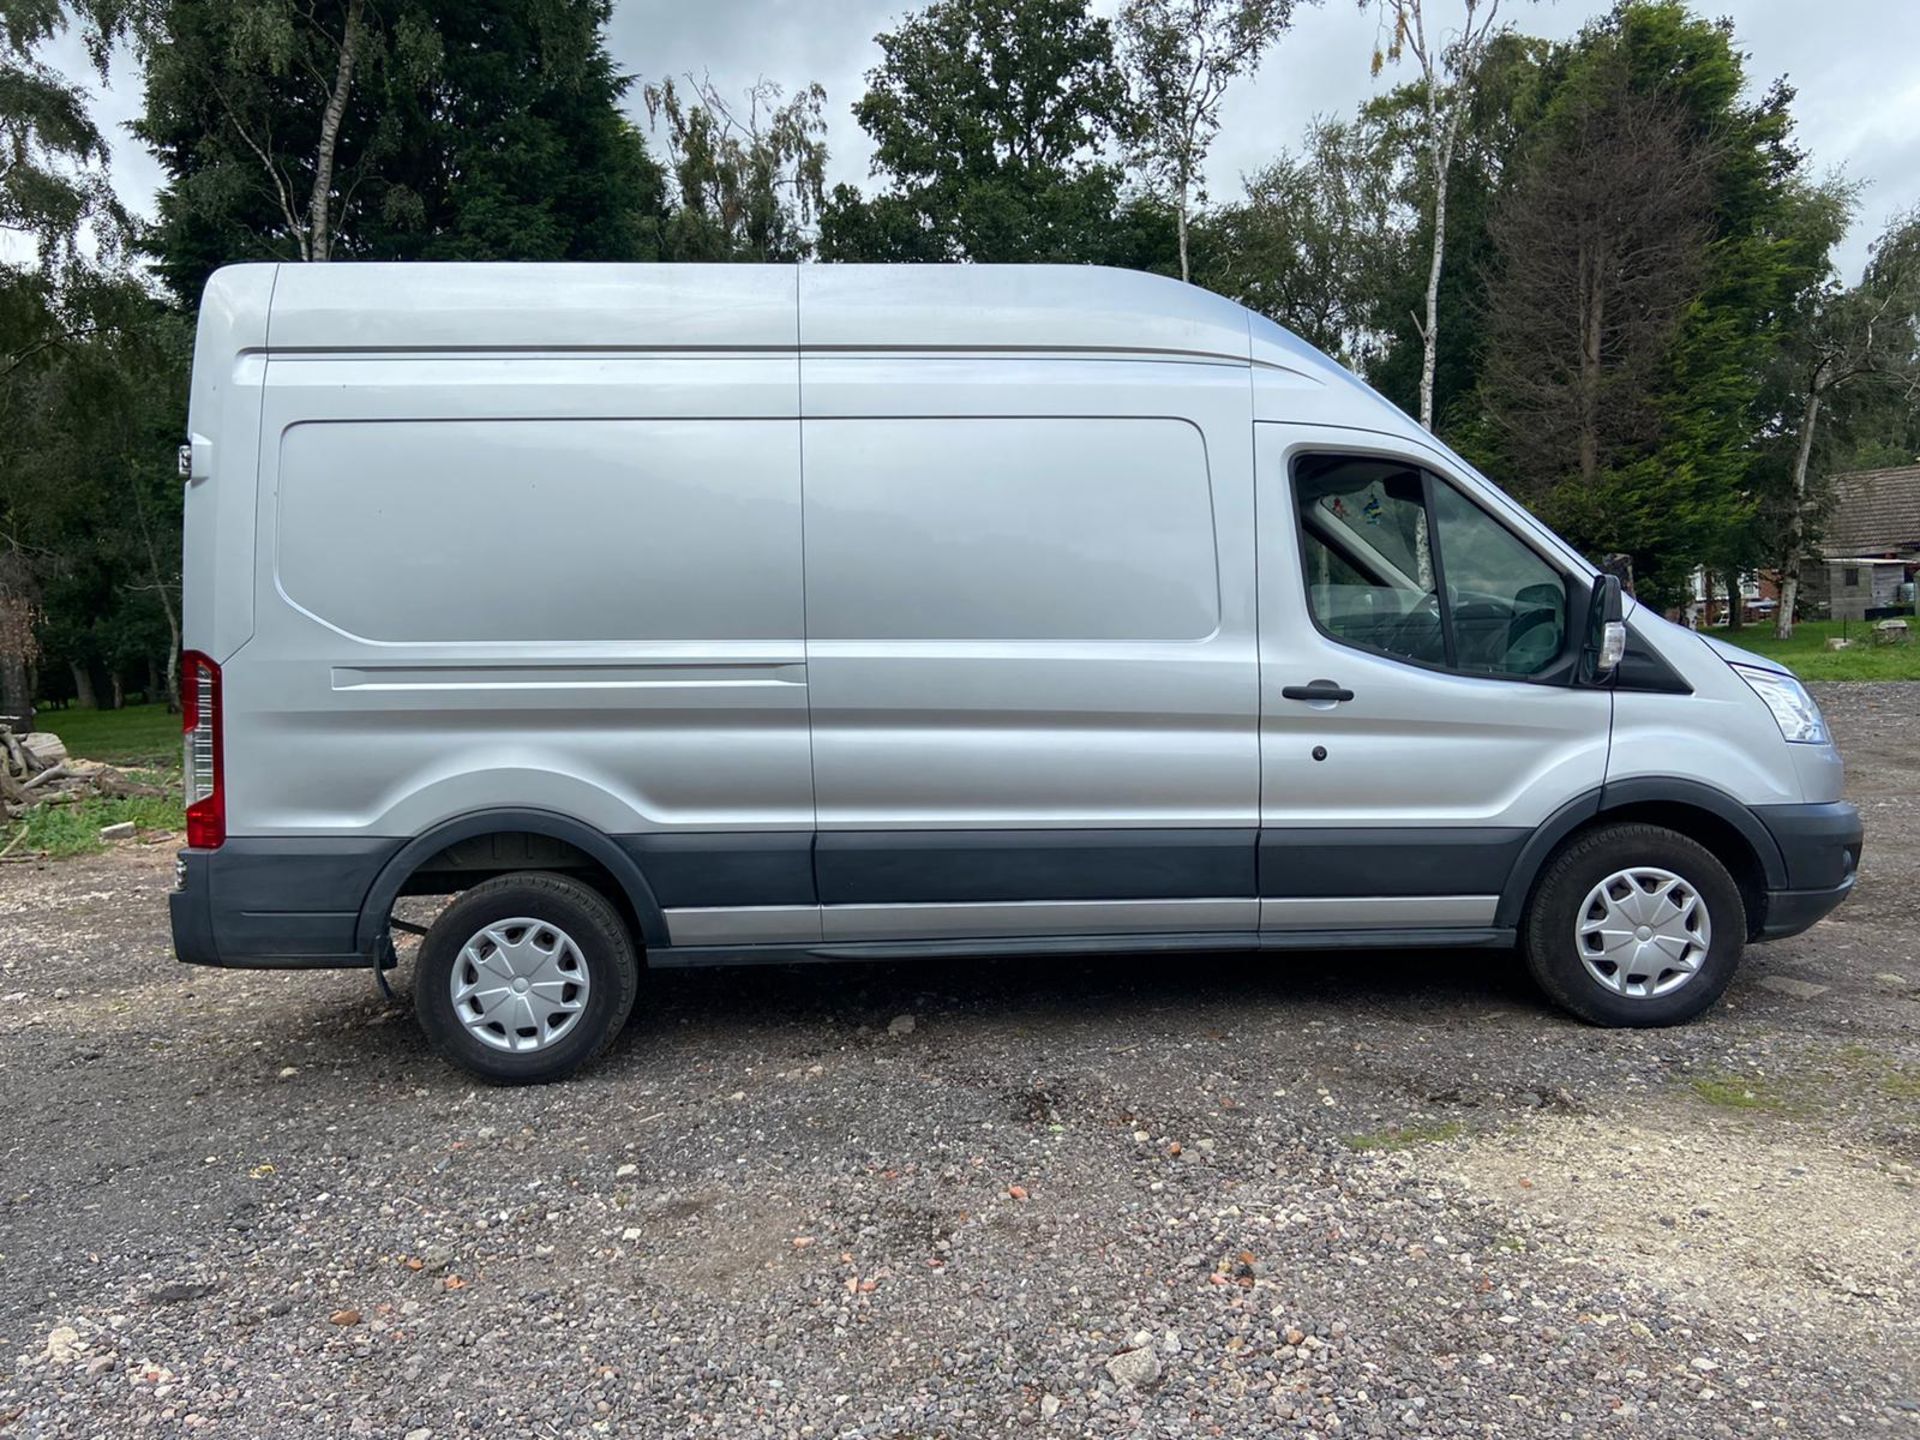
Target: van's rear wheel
1635, 925
525, 978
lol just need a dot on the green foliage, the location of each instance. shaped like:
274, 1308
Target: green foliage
53, 186
746, 187
1846, 378
1315, 242
1737, 1092
86, 355
1494, 125
63, 831
1673, 482
1405, 1137
1179, 57
87, 433
991, 120
478, 130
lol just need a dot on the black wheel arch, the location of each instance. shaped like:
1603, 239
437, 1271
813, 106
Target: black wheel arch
375, 910
1724, 825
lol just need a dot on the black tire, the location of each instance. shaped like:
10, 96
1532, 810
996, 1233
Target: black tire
605, 949
1549, 931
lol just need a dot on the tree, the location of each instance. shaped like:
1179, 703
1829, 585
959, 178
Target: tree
991, 120
53, 183
1449, 65
253, 109
1869, 334
479, 129
87, 484
1677, 462
1601, 245
747, 186
1499, 123
1180, 56
1315, 240
516, 147
57, 206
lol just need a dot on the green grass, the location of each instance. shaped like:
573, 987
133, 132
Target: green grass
1735, 1092
136, 735
1405, 1137
144, 740
61, 831
1806, 654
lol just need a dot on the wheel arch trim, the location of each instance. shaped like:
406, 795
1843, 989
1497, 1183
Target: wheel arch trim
1617, 795
378, 905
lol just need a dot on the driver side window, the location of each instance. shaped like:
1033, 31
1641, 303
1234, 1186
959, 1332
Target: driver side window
1369, 556
1400, 563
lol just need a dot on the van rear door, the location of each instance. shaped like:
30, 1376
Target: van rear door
223, 457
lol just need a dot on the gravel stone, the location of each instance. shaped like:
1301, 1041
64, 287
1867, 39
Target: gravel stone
1135, 1368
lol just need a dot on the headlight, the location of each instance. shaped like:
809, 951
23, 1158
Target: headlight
1793, 708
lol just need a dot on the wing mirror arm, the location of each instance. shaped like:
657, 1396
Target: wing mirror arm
1606, 629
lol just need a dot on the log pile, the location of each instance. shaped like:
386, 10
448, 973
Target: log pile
35, 769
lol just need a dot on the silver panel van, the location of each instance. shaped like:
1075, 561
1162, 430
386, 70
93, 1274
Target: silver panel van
691, 615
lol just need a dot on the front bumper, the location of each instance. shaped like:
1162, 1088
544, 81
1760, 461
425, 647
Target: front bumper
273, 904
1820, 851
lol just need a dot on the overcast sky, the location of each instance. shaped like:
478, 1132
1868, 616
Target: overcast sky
1854, 63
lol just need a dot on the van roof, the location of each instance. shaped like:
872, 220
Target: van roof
844, 307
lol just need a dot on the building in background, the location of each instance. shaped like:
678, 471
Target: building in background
1871, 547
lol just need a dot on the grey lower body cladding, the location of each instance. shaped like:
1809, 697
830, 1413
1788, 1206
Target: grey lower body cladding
269, 902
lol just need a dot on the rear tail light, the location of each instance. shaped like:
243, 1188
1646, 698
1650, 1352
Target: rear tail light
200, 721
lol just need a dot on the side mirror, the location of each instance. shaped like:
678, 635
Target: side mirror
1606, 628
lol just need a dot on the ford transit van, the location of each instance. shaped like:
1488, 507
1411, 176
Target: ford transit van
688, 615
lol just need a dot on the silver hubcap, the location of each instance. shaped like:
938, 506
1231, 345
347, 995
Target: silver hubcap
1643, 932
519, 985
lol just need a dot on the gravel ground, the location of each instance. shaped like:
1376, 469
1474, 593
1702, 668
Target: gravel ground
1237, 1196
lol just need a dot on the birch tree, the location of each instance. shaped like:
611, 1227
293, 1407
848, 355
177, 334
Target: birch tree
1449, 62
312, 130
1180, 56
749, 180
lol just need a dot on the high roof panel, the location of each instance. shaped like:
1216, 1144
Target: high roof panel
1014, 307
860, 307
543, 307
842, 307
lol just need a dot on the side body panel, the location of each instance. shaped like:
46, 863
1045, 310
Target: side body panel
1071, 656
1721, 735
471, 589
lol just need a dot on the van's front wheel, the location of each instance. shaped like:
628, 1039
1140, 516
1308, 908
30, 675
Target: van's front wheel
525, 978
1635, 925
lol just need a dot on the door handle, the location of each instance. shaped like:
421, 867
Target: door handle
1318, 690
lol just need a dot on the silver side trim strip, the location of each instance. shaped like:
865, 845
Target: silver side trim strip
776, 924
1378, 912
635, 675
1034, 917
743, 924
